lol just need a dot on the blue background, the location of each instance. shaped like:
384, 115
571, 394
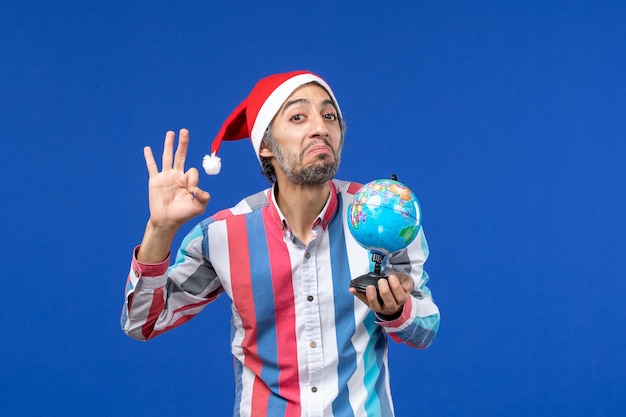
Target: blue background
506, 118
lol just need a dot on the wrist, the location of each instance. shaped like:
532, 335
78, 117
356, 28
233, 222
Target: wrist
161, 228
156, 243
391, 317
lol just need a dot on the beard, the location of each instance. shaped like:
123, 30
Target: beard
320, 172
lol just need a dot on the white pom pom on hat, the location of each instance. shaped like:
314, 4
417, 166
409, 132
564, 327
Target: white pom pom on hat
254, 114
212, 164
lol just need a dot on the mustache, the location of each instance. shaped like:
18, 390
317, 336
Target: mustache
310, 145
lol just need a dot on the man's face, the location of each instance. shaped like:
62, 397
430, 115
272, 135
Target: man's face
307, 137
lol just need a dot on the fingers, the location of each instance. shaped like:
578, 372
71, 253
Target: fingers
372, 297
201, 196
169, 160
392, 294
150, 162
358, 294
408, 284
181, 150
168, 151
193, 178
392, 291
192, 181
389, 298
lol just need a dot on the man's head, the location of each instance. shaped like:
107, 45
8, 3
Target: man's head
257, 115
304, 140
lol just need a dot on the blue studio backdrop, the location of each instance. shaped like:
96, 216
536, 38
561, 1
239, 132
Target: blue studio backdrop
507, 120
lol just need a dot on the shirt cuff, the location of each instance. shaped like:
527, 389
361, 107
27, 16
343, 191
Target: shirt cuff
148, 270
404, 317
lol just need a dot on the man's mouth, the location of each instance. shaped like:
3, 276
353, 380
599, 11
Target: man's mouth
318, 149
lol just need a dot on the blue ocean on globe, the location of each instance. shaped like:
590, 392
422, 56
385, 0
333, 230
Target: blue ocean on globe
384, 215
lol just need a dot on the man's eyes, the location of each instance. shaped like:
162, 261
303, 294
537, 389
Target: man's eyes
327, 116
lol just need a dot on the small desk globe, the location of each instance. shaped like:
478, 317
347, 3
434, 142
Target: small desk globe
384, 217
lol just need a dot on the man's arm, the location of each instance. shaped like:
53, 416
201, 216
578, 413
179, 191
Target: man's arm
407, 312
174, 198
418, 321
159, 298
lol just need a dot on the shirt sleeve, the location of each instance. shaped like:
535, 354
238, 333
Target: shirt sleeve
419, 321
159, 298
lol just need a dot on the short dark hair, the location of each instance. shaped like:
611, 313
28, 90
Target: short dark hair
267, 169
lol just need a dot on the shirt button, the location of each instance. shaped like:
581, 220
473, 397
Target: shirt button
313, 344
307, 255
314, 389
310, 298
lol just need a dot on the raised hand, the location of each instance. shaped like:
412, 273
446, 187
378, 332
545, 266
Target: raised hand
174, 194
174, 197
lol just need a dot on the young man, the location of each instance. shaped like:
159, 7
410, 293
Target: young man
305, 343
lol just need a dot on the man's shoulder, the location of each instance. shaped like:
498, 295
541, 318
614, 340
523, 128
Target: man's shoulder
248, 205
347, 187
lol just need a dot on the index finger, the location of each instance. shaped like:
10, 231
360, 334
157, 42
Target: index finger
407, 281
396, 288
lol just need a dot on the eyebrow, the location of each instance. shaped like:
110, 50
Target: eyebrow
306, 101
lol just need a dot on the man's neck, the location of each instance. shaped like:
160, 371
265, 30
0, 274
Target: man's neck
301, 205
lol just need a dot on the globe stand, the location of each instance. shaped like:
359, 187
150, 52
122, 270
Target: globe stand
372, 277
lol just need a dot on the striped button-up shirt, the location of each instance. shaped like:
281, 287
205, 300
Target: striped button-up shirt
304, 346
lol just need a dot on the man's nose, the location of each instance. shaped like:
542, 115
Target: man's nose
319, 127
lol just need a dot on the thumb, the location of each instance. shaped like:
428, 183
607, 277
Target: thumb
199, 194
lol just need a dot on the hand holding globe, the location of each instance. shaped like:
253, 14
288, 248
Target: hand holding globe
384, 217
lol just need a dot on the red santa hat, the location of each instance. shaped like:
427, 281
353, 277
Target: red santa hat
254, 114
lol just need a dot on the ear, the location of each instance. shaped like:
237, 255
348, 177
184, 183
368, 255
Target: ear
265, 152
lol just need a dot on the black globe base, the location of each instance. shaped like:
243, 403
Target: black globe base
362, 282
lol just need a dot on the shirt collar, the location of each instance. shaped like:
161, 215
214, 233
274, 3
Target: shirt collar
322, 219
